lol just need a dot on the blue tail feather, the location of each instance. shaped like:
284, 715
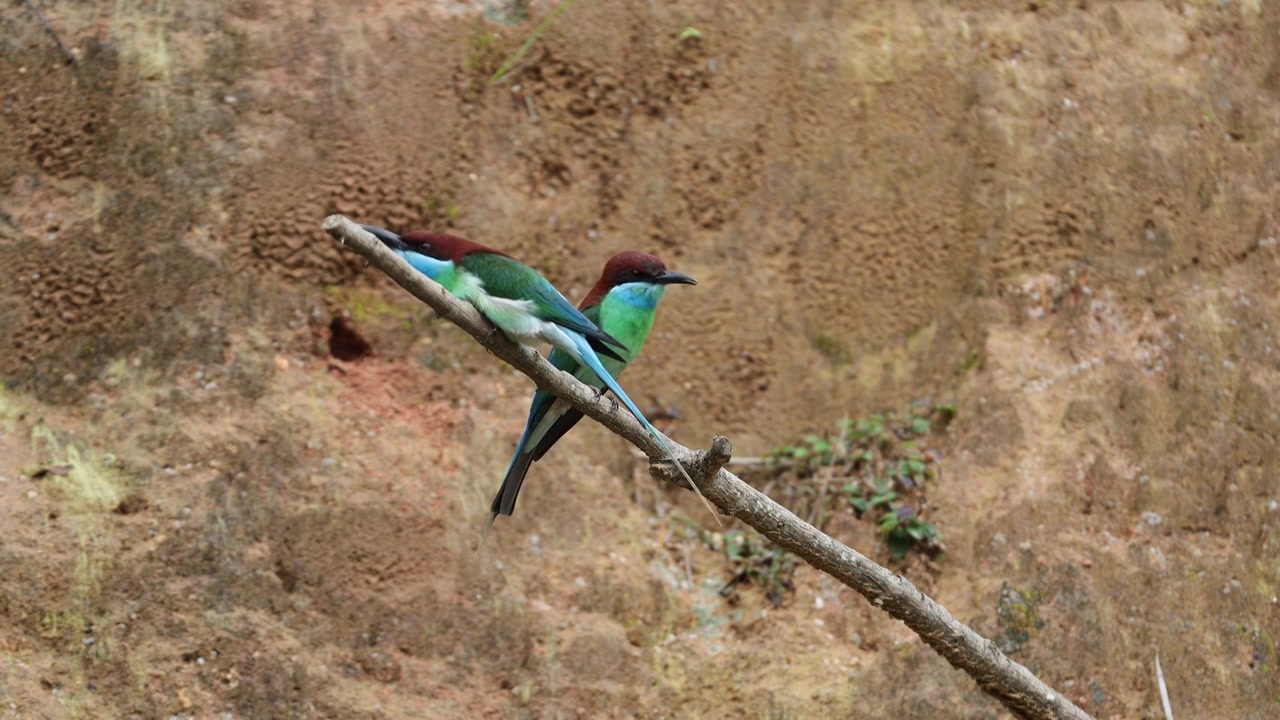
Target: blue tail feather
505, 501
588, 358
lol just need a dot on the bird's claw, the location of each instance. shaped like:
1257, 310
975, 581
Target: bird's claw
613, 401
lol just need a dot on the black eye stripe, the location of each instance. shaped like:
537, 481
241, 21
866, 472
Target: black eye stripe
428, 250
643, 274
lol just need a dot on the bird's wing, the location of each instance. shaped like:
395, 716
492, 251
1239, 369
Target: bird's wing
513, 280
564, 417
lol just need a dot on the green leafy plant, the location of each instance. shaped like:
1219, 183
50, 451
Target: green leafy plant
904, 530
883, 463
756, 561
874, 467
861, 502
812, 453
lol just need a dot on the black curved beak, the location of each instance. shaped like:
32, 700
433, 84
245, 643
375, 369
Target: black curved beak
671, 277
387, 237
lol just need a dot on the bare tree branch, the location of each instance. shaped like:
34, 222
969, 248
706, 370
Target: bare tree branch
1010, 683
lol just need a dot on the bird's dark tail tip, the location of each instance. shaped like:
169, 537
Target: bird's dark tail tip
504, 502
485, 534
387, 237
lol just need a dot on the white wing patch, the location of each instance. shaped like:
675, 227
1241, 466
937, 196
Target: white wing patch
516, 318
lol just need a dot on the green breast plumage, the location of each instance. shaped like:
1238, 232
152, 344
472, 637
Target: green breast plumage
627, 313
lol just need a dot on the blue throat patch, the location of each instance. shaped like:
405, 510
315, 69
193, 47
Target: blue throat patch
640, 295
430, 267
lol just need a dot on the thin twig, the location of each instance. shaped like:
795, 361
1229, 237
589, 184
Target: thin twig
1164, 691
1025, 695
71, 58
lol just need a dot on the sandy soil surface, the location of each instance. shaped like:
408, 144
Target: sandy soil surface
1059, 217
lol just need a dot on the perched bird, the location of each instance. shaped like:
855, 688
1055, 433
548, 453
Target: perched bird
622, 304
521, 303
512, 295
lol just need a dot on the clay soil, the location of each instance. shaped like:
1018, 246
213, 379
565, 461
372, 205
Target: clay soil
215, 502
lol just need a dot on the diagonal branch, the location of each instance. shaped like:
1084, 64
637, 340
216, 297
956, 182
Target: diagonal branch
1002, 678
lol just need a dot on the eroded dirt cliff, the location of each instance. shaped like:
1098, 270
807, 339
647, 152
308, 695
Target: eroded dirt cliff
1061, 217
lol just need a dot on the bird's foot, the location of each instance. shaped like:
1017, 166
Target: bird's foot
613, 401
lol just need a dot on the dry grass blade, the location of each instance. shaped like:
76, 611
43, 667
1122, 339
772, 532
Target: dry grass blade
1164, 691
524, 49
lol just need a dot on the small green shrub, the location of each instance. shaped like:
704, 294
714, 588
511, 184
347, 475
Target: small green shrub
883, 463
757, 561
